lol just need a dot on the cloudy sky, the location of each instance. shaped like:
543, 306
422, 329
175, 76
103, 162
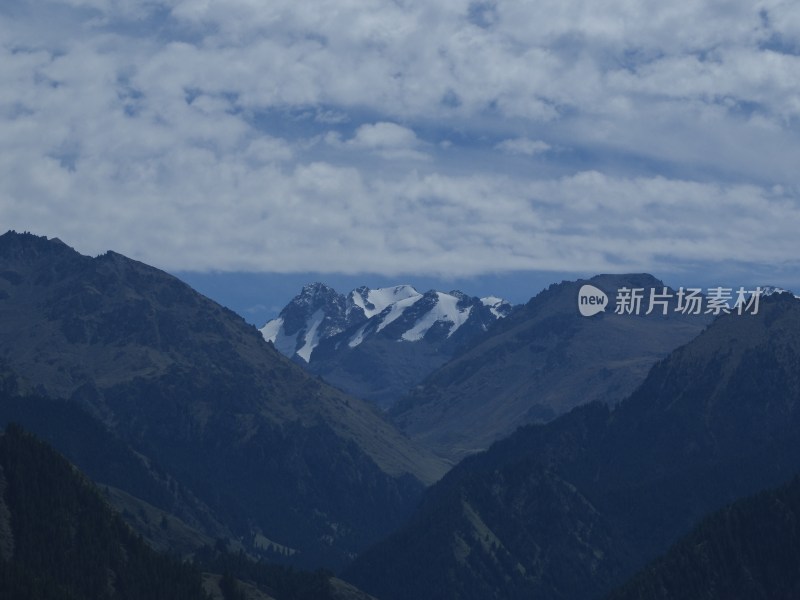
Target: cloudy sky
408, 138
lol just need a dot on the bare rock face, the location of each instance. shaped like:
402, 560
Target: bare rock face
378, 344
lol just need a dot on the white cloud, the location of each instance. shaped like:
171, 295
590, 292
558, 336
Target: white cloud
384, 135
364, 136
387, 140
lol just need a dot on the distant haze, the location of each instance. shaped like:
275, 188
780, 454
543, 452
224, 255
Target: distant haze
259, 297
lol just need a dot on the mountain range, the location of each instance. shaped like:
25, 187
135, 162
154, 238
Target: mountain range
538, 363
222, 429
377, 343
589, 445
572, 508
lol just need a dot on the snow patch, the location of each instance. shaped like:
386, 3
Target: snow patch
396, 299
312, 335
445, 310
358, 336
273, 332
358, 301
271, 329
382, 298
494, 303
769, 290
397, 309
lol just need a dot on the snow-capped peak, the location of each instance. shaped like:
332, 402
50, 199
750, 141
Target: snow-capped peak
769, 290
316, 313
400, 312
374, 302
499, 307
395, 310
445, 310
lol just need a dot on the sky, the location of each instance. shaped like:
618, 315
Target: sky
246, 143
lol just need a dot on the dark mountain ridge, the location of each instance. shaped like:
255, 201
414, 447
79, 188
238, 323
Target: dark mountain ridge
60, 541
539, 362
718, 419
188, 385
749, 550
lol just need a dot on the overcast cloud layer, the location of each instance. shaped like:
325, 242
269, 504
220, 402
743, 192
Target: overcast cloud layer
406, 136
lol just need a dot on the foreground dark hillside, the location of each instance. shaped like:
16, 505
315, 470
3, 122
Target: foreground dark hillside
572, 508
747, 551
245, 441
59, 540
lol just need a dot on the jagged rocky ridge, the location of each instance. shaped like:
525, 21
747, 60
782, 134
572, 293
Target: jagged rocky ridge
377, 344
